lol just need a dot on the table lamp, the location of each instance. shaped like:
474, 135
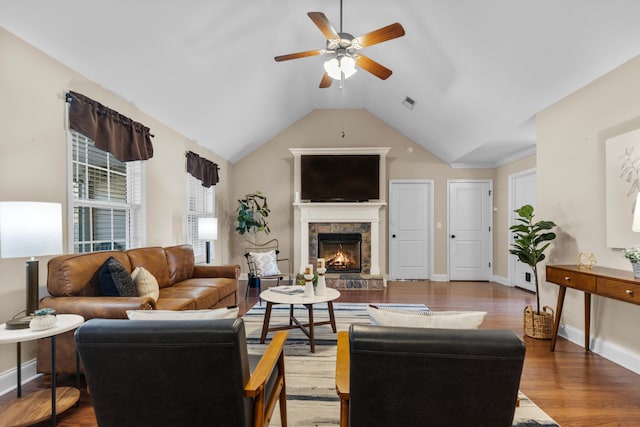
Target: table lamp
30, 229
208, 231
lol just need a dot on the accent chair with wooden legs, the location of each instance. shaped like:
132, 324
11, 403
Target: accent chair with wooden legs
180, 373
427, 377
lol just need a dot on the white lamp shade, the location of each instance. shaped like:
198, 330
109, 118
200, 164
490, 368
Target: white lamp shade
636, 216
207, 228
348, 65
30, 229
332, 67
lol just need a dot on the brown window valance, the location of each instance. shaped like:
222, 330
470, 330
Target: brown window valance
203, 169
125, 139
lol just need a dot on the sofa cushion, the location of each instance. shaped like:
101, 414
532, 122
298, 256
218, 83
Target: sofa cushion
225, 286
146, 284
426, 319
219, 313
265, 262
175, 304
203, 297
153, 260
180, 260
77, 274
115, 280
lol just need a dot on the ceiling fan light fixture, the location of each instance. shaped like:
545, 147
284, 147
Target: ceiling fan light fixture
336, 67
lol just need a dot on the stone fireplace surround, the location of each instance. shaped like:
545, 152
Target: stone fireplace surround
307, 213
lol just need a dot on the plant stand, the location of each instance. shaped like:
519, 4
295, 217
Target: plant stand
538, 325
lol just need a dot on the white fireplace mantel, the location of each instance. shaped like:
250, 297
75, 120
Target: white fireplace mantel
367, 212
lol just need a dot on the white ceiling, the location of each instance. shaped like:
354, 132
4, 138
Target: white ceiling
479, 71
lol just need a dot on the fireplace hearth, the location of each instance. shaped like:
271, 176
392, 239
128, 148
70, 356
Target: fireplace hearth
342, 252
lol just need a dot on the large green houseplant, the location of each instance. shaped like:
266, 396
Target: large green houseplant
253, 211
532, 238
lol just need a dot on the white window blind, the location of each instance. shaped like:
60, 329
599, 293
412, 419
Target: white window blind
107, 199
200, 203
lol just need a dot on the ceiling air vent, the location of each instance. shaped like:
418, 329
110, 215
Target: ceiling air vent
409, 103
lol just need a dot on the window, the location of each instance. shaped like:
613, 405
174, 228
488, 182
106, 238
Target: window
200, 203
107, 199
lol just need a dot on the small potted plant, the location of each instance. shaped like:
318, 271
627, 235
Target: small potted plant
633, 255
532, 239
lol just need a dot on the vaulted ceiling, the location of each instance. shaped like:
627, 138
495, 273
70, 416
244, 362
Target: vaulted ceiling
479, 71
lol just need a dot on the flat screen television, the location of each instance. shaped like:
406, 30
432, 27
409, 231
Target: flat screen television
340, 178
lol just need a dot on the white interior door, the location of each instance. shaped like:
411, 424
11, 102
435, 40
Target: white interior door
410, 229
522, 191
470, 230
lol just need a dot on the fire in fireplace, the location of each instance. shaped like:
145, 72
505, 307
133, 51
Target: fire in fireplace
342, 251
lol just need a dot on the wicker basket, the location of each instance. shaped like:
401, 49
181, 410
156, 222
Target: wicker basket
538, 325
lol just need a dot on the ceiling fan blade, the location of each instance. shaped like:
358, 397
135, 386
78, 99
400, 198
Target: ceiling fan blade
373, 67
326, 81
380, 35
299, 55
324, 25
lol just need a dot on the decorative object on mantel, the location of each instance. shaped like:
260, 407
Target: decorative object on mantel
586, 259
633, 255
252, 213
529, 236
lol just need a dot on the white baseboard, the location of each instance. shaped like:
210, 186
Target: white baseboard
501, 280
608, 350
440, 277
8, 379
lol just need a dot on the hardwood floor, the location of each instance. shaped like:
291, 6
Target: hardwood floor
575, 388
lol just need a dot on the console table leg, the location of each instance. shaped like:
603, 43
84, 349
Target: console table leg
556, 323
53, 380
587, 320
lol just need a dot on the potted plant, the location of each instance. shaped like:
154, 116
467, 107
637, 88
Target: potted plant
633, 255
252, 213
532, 239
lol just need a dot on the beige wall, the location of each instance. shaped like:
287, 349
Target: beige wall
571, 192
270, 169
33, 160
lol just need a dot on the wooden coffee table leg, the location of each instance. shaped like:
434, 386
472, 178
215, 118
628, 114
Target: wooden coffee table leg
265, 324
312, 337
332, 318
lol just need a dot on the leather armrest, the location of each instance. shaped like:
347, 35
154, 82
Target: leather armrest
98, 307
342, 366
266, 365
228, 271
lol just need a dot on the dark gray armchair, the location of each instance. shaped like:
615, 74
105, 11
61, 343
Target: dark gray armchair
428, 377
180, 373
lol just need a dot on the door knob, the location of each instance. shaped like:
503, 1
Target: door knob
393, 235
453, 236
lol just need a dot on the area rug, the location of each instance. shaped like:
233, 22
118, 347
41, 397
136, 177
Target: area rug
310, 377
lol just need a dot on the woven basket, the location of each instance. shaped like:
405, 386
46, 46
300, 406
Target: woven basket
538, 325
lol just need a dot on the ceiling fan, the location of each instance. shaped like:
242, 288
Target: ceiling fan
344, 50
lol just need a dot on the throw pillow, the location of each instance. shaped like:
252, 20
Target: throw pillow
115, 280
146, 283
428, 319
266, 263
218, 313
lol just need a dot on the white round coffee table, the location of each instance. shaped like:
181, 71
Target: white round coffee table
281, 295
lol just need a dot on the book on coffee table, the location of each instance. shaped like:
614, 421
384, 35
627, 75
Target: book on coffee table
288, 290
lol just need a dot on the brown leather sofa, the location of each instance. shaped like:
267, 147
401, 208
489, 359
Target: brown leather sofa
73, 286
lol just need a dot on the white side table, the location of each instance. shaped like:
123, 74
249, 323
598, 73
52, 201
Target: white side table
39, 406
272, 297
